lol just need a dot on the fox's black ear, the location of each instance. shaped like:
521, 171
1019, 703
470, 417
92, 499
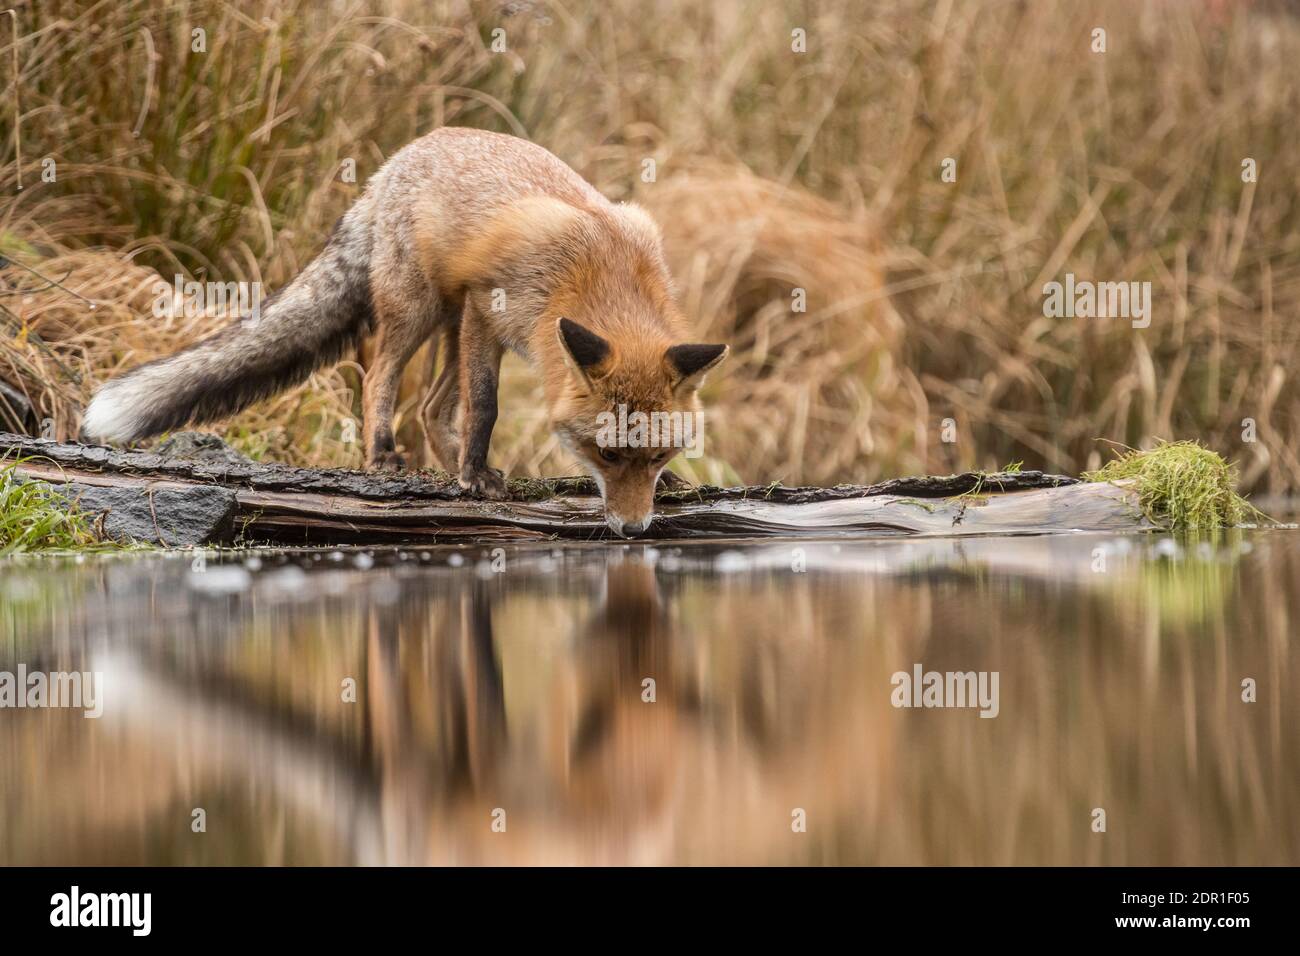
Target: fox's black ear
691, 362
583, 349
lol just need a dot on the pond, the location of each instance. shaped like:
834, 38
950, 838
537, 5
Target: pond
1092, 699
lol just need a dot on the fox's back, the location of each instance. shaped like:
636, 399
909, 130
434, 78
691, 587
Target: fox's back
471, 169
441, 188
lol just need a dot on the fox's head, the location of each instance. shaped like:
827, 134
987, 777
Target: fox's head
626, 410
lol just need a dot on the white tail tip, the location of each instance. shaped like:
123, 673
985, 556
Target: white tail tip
110, 416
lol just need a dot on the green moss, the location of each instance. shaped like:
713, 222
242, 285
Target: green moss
976, 494
525, 488
1181, 486
927, 505
36, 517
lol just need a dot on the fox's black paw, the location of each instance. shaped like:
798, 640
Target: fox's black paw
487, 483
387, 461
668, 481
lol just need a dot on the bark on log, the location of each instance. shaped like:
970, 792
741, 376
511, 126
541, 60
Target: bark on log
291, 506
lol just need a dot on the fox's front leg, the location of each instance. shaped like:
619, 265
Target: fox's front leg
480, 366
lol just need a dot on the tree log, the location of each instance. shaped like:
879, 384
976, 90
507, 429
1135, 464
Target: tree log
278, 504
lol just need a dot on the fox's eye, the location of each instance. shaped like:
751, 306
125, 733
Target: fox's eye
609, 455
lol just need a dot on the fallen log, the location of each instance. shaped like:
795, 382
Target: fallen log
207, 494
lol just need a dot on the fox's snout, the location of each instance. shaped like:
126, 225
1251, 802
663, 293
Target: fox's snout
629, 502
629, 528
629, 508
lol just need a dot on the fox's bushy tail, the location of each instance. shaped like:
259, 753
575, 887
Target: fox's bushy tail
308, 324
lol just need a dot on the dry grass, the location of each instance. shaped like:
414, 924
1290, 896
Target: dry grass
776, 171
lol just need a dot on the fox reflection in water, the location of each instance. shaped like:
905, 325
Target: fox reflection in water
440, 777
591, 780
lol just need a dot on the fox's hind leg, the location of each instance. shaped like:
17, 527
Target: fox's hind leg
480, 367
442, 407
401, 326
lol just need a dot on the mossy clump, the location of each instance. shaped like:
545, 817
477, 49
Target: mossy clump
1181, 486
35, 517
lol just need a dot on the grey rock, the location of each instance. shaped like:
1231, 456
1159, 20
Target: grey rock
174, 517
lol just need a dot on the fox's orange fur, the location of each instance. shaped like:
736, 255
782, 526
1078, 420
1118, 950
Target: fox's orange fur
492, 244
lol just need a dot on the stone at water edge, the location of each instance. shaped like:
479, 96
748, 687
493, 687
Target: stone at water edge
176, 517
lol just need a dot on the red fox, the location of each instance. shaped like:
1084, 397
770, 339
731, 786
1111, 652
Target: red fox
493, 243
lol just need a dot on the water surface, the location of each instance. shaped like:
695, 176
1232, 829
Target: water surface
464, 705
